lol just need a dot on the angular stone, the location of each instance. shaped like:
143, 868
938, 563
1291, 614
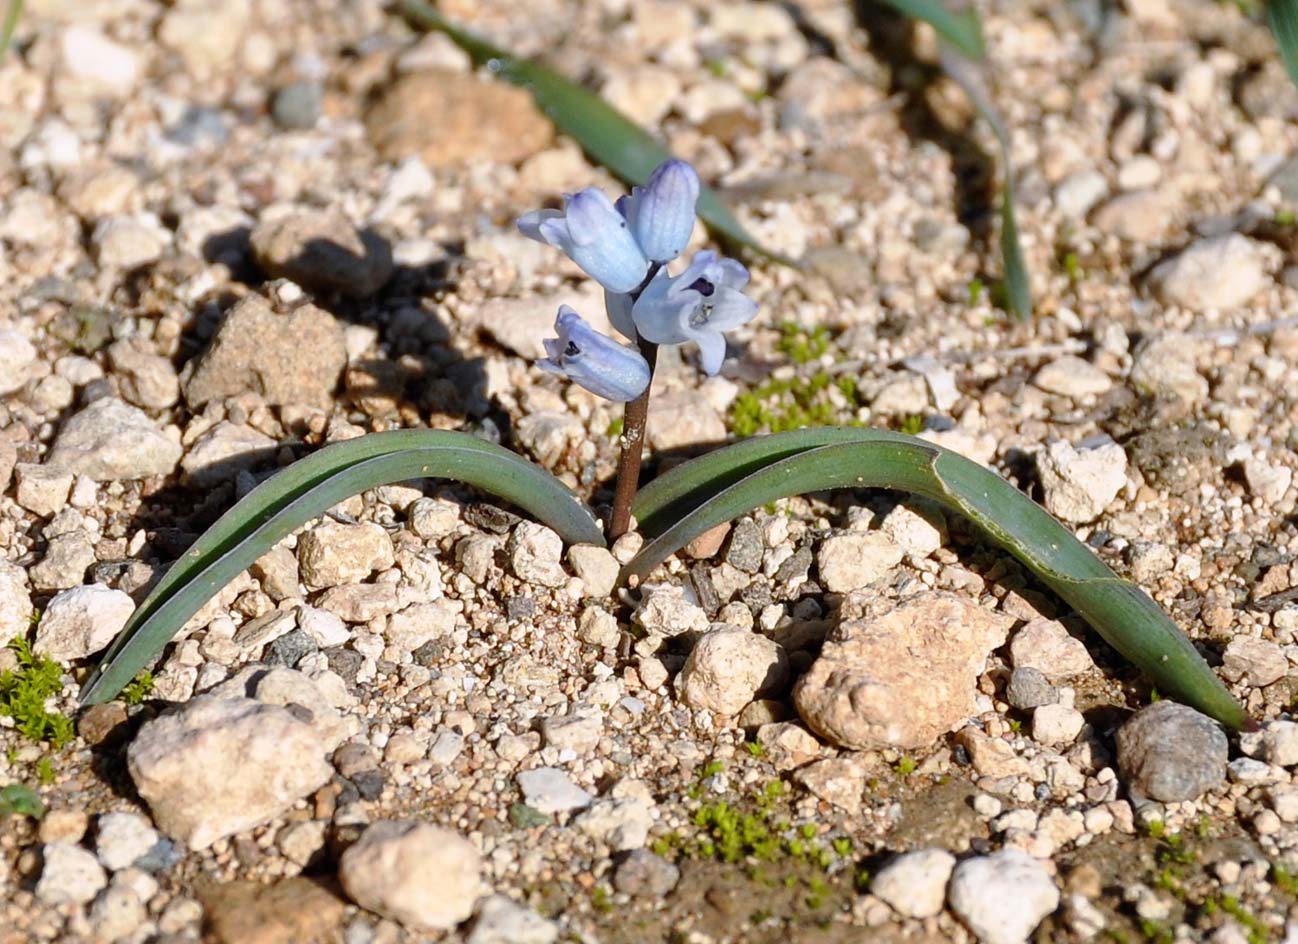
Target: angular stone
81, 621
110, 440
323, 252
294, 357
334, 553
218, 766
914, 884
729, 667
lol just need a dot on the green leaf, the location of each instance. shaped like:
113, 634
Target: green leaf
1283, 15
1119, 611
604, 133
969, 73
958, 26
305, 490
13, 13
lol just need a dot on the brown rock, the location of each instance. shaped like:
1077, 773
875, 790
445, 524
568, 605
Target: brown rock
903, 678
290, 357
440, 117
294, 911
323, 252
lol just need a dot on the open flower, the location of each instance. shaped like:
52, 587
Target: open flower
594, 235
593, 360
661, 213
698, 305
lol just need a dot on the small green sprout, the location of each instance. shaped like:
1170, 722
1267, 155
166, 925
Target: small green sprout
1285, 217
615, 427
601, 899
905, 765
912, 425
976, 289
45, 771
802, 346
755, 748
138, 688
23, 694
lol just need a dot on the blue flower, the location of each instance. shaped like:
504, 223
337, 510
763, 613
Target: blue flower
593, 360
698, 305
661, 213
594, 235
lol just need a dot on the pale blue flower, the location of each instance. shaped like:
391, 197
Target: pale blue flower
617, 305
698, 305
593, 360
661, 213
594, 235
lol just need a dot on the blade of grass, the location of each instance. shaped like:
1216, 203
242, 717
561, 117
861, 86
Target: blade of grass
958, 26
1283, 15
1119, 611
303, 491
603, 132
670, 496
13, 13
969, 73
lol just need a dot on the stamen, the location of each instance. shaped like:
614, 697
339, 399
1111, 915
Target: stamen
703, 287
571, 350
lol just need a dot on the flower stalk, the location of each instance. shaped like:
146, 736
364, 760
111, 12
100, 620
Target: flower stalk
635, 420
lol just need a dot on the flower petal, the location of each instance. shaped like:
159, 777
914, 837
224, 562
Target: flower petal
662, 212
712, 350
730, 310
617, 305
593, 360
529, 224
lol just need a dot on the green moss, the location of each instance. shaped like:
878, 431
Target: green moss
778, 406
138, 688
1285, 217
615, 427
23, 694
601, 899
905, 766
912, 425
802, 346
45, 771
976, 289
1284, 880
17, 799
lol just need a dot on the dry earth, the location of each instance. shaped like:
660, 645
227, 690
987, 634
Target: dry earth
233, 231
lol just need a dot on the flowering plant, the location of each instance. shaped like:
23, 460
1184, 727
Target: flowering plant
627, 247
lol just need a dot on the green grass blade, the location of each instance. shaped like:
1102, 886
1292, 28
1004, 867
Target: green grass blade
13, 13
1120, 612
969, 74
1283, 15
305, 490
958, 26
604, 133
684, 487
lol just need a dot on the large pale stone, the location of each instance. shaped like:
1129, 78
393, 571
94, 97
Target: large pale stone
901, 679
423, 876
222, 765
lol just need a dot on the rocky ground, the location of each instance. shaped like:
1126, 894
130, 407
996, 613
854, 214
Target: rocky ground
232, 232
